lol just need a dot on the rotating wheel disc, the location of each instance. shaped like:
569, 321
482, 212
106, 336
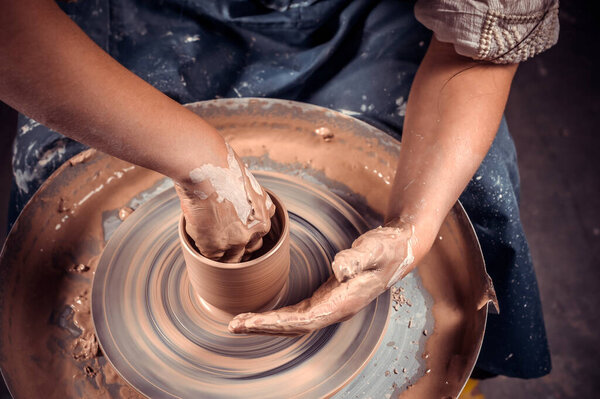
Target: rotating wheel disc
167, 342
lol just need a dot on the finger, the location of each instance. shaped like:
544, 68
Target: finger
254, 244
259, 227
331, 303
277, 322
258, 323
291, 320
249, 180
209, 250
213, 255
233, 254
350, 262
375, 249
254, 191
269, 204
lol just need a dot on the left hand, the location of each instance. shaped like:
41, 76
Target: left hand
376, 261
226, 210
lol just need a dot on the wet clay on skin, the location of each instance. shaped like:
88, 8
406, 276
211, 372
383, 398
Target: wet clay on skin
361, 273
54, 312
226, 210
46, 245
366, 166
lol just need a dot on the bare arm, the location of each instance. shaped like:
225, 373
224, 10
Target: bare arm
51, 71
54, 73
453, 112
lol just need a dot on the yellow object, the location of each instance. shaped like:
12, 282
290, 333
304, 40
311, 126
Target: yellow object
471, 391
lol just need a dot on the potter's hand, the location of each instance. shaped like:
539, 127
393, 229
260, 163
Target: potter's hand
226, 211
386, 250
377, 260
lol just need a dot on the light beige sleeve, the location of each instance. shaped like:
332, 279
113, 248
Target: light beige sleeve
500, 31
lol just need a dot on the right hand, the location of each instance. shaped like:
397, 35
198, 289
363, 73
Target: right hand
377, 260
226, 211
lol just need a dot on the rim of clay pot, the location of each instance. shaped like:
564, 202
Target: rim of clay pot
184, 238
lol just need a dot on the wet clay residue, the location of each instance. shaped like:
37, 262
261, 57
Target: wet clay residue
79, 268
325, 133
43, 329
53, 255
365, 164
82, 157
398, 299
125, 212
130, 312
86, 345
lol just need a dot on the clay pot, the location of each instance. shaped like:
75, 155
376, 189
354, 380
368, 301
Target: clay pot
245, 286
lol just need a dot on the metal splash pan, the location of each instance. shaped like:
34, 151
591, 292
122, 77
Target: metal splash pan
425, 336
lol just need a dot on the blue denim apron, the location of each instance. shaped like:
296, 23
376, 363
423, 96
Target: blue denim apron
359, 57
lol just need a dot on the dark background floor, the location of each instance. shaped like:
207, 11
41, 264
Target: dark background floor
553, 114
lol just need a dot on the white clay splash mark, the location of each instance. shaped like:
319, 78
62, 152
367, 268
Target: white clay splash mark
49, 155
30, 146
87, 197
365, 107
348, 112
401, 106
29, 126
117, 174
408, 260
228, 183
24, 177
191, 39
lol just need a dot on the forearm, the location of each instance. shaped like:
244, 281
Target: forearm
453, 112
51, 71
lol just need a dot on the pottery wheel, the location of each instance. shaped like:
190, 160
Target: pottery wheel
419, 341
167, 342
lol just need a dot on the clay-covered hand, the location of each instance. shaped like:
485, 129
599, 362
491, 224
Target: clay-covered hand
226, 211
376, 261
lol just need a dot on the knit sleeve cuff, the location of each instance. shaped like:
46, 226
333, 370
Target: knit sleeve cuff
500, 31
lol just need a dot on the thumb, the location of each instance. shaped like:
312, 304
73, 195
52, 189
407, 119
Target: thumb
362, 256
269, 204
241, 323
348, 263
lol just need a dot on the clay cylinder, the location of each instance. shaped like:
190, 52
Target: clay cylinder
245, 286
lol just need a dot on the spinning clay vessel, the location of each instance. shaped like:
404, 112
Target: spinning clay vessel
245, 286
